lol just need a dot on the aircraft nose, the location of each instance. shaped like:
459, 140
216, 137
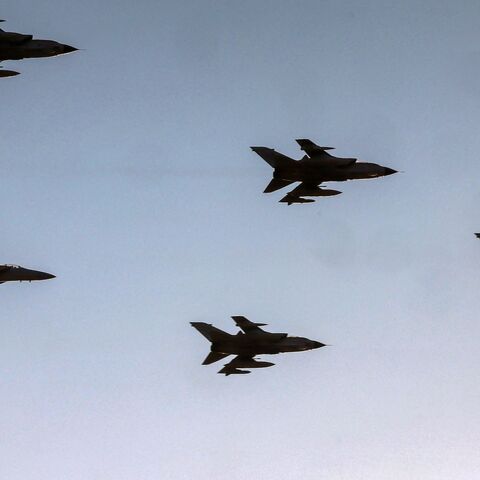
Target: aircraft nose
390, 171
46, 276
69, 49
318, 345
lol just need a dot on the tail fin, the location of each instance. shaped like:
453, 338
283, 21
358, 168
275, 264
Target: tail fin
210, 332
273, 158
277, 184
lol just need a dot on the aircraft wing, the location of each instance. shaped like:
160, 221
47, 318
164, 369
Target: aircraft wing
312, 190
307, 190
231, 368
312, 149
246, 325
319, 154
243, 361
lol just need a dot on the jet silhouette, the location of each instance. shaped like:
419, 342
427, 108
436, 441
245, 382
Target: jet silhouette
247, 344
316, 167
477, 235
15, 46
15, 273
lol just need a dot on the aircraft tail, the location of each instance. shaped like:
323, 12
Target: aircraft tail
277, 184
211, 333
213, 357
274, 159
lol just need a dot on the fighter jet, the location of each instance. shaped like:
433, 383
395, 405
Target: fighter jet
15, 273
247, 344
316, 167
477, 235
15, 46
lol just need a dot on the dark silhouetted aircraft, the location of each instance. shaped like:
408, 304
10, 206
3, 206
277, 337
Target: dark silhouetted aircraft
477, 235
15, 273
15, 46
316, 167
247, 344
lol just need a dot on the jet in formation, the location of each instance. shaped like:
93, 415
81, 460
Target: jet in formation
248, 343
15, 46
15, 273
316, 167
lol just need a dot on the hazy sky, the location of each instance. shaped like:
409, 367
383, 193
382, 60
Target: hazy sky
126, 171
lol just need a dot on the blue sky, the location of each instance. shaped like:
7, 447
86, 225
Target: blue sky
127, 173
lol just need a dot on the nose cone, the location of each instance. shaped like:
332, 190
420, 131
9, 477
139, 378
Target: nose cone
45, 276
69, 49
318, 344
389, 171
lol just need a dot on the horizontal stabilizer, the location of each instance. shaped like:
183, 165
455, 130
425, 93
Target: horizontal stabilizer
210, 332
213, 357
277, 184
275, 159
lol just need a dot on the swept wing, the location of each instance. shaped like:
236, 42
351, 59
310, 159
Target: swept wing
243, 361
246, 325
319, 154
312, 190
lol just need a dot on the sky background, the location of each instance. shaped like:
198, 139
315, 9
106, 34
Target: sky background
126, 171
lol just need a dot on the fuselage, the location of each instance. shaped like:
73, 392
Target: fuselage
311, 171
242, 344
33, 49
15, 273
